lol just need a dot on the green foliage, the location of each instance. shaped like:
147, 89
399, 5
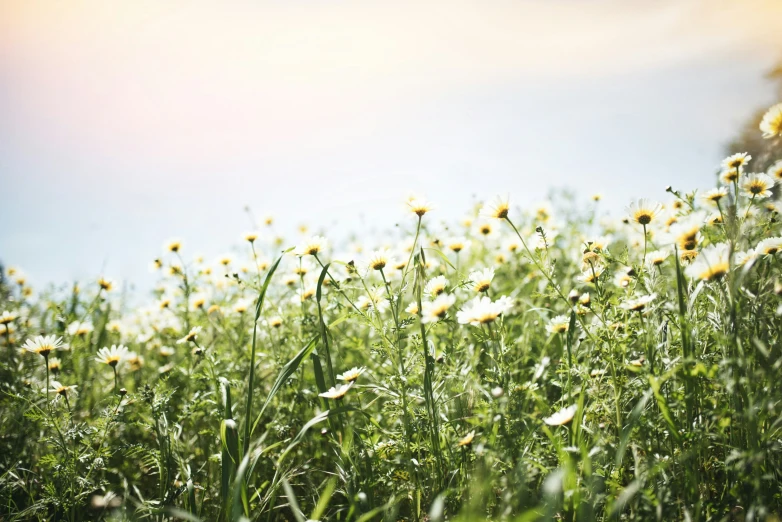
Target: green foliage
605, 370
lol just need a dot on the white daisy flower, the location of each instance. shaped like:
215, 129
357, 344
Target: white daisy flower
337, 392
435, 310
713, 262
436, 286
312, 246
481, 279
482, 310
561, 417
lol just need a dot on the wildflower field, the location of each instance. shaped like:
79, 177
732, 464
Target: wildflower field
525, 364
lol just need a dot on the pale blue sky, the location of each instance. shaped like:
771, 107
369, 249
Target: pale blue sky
124, 126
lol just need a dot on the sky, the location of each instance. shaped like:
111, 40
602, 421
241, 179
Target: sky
123, 124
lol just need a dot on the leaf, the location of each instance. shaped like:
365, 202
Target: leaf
325, 498
181, 514
294, 504
324, 334
624, 498
312, 422
251, 378
437, 509
286, 372
628, 428
664, 410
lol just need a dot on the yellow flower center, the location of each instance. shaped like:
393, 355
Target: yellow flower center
643, 217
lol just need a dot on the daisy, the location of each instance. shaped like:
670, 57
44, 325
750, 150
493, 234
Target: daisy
419, 206
7, 317
191, 335
658, 257
561, 417
558, 324
485, 229
312, 246
598, 244
773, 206
757, 186
338, 392
771, 124
481, 279
644, 211
457, 244
622, 278
714, 196
688, 256
746, 258
250, 237
589, 274
174, 245
714, 219
497, 209
412, 308
728, 176
302, 269
375, 300
115, 326
112, 356
435, 310
275, 322
736, 162
712, 263
352, 374
80, 329
378, 260
304, 294
511, 245
436, 286
62, 390
7, 329
589, 258
543, 212
769, 246
198, 301
400, 265
687, 232
135, 361
775, 170
466, 440
639, 303
105, 284
481, 310
55, 365
43, 346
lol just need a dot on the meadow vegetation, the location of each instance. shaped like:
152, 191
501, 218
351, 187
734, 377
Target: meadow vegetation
525, 364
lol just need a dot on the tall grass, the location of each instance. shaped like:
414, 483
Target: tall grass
611, 369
